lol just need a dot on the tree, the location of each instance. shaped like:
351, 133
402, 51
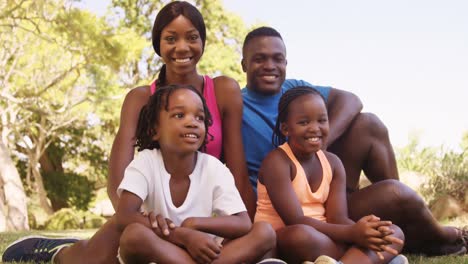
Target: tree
13, 211
54, 56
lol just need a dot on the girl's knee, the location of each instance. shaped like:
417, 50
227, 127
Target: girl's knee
300, 235
398, 233
263, 232
131, 236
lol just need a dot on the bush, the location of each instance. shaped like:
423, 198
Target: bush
68, 190
68, 218
63, 219
450, 176
447, 170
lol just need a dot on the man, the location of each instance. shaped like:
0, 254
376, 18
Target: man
359, 139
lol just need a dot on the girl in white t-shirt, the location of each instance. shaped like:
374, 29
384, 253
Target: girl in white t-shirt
200, 214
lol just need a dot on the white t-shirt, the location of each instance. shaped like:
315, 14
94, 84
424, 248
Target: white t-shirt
212, 189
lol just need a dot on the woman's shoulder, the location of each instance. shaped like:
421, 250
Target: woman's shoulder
228, 94
139, 91
137, 97
226, 83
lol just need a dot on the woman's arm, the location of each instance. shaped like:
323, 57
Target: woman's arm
230, 226
229, 100
123, 148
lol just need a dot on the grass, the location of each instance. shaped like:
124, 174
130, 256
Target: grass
8, 237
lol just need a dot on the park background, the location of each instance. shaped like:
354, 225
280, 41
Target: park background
67, 65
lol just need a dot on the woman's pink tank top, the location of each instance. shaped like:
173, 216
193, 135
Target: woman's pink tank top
214, 146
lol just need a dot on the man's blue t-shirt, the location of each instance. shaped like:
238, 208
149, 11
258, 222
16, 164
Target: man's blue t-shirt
258, 122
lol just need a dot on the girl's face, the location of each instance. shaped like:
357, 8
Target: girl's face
181, 129
181, 46
307, 124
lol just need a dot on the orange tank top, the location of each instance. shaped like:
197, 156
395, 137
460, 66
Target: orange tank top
312, 203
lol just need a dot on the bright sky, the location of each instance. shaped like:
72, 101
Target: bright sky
406, 60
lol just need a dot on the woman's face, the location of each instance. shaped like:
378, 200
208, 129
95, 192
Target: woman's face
181, 46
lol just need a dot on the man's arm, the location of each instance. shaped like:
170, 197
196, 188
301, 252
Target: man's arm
342, 108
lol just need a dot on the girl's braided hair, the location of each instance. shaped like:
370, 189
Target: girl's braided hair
278, 138
149, 117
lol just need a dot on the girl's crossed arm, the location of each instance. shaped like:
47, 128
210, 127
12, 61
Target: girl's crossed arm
229, 226
128, 212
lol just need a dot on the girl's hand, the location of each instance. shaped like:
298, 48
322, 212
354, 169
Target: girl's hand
365, 232
202, 247
379, 243
159, 224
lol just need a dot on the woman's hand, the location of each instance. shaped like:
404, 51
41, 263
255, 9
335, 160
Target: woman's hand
159, 224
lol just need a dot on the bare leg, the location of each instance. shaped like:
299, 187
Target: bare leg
299, 243
251, 247
366, 146
363, 256
101, 248
138, 244
393, 200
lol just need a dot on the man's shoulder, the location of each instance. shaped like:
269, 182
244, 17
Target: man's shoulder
291, 83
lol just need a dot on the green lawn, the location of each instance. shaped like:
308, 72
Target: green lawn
7, 238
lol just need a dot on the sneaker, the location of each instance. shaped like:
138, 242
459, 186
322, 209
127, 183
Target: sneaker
399, 259
272, 261
35, 248
326, 260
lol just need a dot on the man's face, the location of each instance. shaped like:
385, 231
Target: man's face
264, 62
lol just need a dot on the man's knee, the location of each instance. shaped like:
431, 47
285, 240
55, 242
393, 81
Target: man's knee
371, 124
398, 193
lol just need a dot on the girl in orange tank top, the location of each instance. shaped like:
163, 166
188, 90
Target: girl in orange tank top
301, 193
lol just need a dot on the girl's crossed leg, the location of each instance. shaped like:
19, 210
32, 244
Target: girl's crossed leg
299, 243
138, 244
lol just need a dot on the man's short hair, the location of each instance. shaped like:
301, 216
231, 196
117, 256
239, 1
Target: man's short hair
260, 32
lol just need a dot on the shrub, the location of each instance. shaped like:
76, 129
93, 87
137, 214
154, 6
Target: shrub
63, 219
447, 170
68, 190
68, 218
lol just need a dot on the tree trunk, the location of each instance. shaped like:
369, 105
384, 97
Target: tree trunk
39, 187
13, 206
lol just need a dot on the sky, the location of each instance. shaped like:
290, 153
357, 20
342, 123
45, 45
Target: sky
406, 60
